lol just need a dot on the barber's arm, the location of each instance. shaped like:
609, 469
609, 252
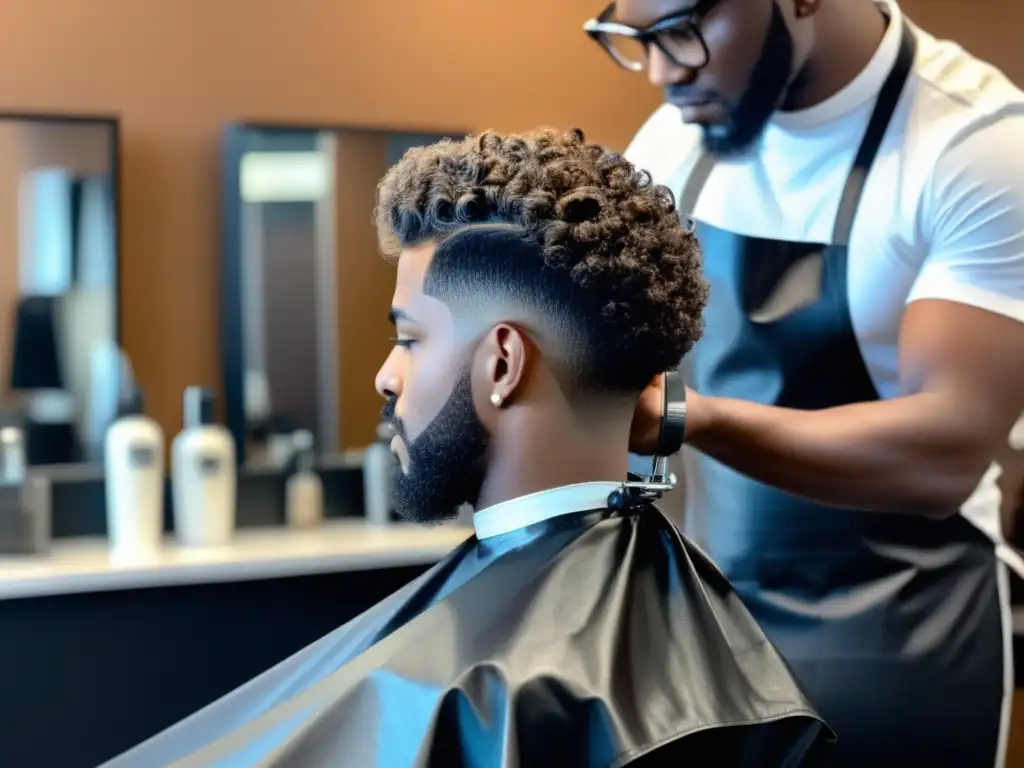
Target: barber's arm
961, 358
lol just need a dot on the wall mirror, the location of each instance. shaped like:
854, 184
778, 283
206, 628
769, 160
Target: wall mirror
61, 371
306, 292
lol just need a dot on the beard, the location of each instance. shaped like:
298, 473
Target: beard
763, 96
446, 462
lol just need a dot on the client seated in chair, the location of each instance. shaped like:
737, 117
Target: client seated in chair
541, 284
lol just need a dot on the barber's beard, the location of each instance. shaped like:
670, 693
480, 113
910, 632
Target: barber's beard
445, 462
764, 94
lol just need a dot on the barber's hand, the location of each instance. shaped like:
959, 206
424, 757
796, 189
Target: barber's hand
643, 435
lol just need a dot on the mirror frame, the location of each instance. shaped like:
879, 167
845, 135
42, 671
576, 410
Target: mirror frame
113, 121
233, 147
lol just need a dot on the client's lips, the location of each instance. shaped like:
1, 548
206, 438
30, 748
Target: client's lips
396, 437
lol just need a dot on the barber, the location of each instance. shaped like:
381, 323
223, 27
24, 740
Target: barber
858, 190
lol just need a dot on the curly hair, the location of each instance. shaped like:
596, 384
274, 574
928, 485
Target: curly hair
600, 223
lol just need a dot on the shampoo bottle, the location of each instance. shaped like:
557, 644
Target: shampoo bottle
134, 470
379, 465
203, 475
304, 491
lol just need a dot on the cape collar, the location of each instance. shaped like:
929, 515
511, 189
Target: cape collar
537, 507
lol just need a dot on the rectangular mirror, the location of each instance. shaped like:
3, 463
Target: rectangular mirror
60, 364
306, 291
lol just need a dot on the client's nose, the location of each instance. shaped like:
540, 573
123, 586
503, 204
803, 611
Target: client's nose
388, 382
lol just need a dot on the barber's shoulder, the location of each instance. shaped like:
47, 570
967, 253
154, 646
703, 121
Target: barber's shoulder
664, 145
966, 121
957, 113
960, 94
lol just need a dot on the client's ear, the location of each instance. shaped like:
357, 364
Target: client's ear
506, 354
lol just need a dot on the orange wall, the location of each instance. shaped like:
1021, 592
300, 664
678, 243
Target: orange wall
177, 70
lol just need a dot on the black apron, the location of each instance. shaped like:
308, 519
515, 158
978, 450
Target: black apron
591, 640
892, 623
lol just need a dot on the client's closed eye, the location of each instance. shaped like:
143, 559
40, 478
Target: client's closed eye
401, 342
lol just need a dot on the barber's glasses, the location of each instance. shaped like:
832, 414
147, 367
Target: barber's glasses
677, 36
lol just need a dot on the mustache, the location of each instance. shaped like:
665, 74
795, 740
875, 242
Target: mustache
387, 416
679, 92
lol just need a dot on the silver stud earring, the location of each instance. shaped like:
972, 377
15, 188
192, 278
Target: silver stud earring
496, 400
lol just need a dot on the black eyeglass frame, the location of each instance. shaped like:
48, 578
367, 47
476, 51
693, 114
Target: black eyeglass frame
600, 28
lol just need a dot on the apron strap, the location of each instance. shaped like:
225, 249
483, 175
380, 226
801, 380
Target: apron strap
885, 108
695, 182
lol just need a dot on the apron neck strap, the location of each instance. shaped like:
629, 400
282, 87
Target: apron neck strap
885, 108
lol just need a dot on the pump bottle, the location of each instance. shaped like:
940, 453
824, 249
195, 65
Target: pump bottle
304, 491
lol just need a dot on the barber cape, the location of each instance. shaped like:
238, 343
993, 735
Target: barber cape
562, 634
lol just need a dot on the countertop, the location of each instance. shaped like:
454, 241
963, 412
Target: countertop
86, 565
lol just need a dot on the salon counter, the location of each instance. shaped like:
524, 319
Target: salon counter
337, 546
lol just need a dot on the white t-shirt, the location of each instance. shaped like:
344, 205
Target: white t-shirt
942, 215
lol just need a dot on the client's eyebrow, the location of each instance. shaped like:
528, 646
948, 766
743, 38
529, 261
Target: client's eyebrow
397, 314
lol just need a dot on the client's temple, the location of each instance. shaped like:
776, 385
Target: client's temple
542, 284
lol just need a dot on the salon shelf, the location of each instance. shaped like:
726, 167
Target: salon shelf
86, 565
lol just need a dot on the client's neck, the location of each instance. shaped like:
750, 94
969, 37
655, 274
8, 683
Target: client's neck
536, 454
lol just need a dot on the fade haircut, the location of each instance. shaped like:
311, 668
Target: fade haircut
593, 245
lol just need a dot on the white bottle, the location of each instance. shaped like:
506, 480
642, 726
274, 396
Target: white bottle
379, 466
134, 469
203, 475
304, 491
